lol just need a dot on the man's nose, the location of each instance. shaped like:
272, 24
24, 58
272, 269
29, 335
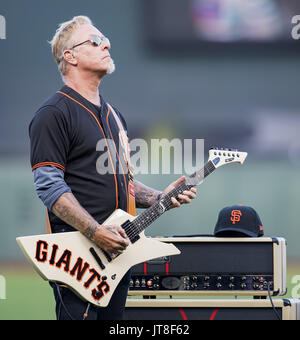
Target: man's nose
105, 45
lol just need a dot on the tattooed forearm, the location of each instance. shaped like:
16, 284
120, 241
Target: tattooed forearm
144, 196
68, 209
90, 231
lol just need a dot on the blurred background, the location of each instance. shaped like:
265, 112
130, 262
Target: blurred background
226, 71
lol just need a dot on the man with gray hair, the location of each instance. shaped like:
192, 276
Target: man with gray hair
64, 133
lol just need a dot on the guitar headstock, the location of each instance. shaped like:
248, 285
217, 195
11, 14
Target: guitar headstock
221, 156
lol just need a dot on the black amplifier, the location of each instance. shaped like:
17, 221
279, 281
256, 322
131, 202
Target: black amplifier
205, 309
215, 266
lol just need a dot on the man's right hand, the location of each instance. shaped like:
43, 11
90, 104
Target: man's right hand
111, 238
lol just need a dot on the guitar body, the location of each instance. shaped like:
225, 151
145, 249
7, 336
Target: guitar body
67, 258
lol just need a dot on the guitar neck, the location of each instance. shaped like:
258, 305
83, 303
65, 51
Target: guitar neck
146, 218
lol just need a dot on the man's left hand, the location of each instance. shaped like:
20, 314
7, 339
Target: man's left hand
183, 198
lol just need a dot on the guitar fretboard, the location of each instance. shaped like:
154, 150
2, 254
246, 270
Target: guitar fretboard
146, 218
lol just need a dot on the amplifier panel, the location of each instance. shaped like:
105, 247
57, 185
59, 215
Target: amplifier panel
229, 309
215, 266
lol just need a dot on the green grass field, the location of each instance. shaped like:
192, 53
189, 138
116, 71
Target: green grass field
28, 297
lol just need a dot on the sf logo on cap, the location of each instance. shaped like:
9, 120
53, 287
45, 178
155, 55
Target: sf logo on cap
235, 216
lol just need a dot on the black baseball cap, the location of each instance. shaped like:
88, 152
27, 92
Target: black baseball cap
238, 221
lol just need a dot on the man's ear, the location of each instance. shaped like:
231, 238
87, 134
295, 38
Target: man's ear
69, 57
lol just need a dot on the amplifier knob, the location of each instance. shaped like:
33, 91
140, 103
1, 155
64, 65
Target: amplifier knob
206, 285
219, 278
206, 278
194, 285
137, 283
231, 278
131, 283
231, 285
219, 286
194, 278
243, 285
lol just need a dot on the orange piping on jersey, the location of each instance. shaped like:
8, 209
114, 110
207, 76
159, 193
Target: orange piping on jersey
108, 112
116, 183
48, 164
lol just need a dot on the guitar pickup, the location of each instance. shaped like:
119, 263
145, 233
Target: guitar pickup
127, 226
97, 258
108, 257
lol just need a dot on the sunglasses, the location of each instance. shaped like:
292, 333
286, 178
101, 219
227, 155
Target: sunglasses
95, 40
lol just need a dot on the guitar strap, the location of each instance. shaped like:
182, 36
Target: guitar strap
126, 154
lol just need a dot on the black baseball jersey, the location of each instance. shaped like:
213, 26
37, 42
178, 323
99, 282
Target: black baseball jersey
64, 133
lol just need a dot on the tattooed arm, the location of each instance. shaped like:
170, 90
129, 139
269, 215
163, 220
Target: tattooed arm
144, 196
112, 239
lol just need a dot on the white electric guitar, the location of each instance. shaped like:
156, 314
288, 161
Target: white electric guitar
72, 259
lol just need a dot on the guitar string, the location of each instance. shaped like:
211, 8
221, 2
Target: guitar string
153, 212
141, 222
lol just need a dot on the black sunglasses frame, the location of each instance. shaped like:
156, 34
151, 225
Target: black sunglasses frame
95, 40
